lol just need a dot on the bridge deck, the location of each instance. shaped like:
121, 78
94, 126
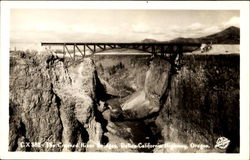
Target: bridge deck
87, 48
116, 43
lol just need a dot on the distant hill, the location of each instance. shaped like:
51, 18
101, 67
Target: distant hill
230, 35
185, 40
149, 41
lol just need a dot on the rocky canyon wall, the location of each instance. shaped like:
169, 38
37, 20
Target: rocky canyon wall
57, 102
52, 104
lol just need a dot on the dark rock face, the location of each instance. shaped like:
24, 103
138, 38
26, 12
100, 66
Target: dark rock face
33, 103
52, 104
203, 105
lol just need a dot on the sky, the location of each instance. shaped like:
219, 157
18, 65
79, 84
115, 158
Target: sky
32, 26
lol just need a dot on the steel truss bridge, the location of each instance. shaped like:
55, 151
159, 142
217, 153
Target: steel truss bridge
85, 49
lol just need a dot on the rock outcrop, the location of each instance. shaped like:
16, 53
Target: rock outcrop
147, 101
53, 104
202, 105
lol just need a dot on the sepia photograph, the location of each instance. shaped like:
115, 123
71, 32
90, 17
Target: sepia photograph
124, 80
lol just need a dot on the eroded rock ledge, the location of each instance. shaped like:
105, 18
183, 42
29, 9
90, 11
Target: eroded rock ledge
52, 102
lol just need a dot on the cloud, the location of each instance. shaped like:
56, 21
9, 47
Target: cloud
170, 32
234, 21
195, 26
212, 29
140, 28
194, 30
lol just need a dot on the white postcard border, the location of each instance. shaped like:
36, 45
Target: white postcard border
243, 6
